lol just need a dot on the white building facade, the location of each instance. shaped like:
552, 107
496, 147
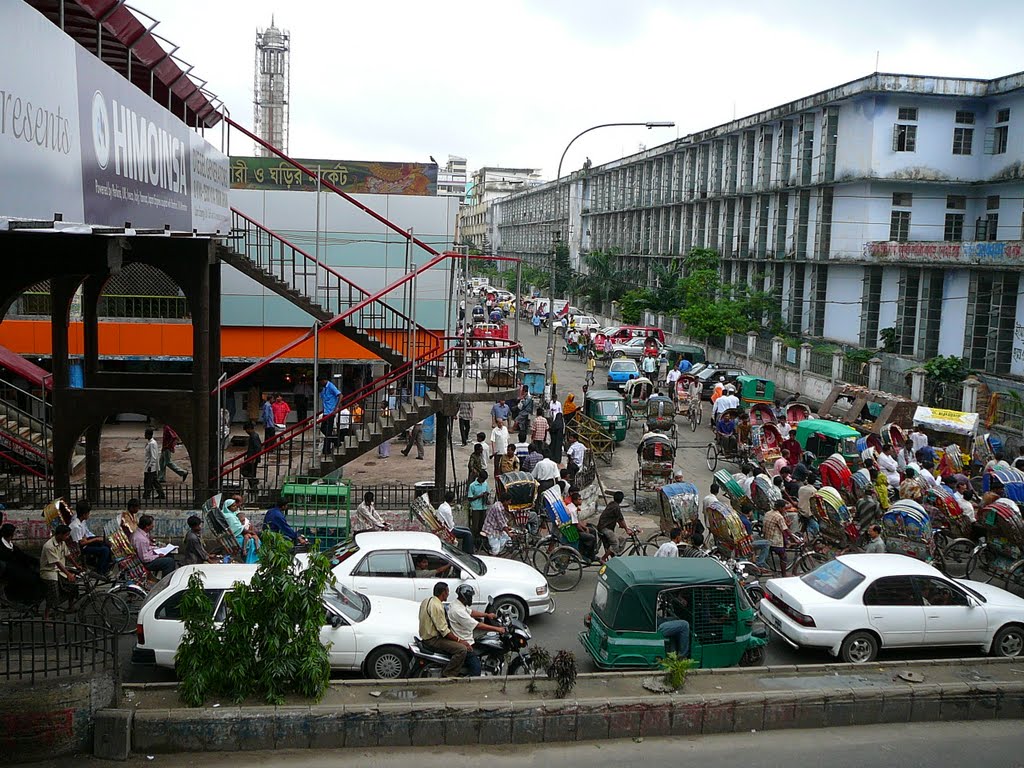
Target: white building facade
891, 201
490, 183
452, 178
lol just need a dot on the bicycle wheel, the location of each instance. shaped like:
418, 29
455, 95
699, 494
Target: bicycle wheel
102, 609
564, 569
808, 562
640, 548
955, 557
133, 596
657, 538
539, 553
712, 457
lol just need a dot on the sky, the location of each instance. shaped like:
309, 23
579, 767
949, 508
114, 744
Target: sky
510, 83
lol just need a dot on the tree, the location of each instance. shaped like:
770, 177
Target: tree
603, 281
942, 373
563, 270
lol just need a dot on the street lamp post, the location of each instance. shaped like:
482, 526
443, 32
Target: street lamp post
549, 358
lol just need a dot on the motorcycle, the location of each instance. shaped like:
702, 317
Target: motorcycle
498, 653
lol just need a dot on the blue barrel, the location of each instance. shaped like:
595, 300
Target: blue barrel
421, 390
76, 376
429, 429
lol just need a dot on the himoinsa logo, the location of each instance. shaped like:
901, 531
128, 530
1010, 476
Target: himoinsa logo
100, 130
143, 151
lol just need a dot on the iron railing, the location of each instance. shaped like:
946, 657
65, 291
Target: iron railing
25, 420
855, 372
26, 489
36, 649
38, 304
763, 349
821, 364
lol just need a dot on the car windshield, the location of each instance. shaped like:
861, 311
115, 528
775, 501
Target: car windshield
472, 563
623, 366
609, 407
833, 579
351, 605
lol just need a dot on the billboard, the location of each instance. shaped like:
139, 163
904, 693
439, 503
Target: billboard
351, 176
78, 139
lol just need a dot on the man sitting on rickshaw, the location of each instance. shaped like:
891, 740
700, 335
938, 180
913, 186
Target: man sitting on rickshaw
725, 432
743, 430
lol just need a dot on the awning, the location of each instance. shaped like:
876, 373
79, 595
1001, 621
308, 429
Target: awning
945, 420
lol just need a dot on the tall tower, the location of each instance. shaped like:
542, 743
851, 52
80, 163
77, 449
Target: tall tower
271, 87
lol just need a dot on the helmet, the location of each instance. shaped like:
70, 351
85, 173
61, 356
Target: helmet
465, 593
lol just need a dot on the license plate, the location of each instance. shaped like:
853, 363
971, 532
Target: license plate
776, 621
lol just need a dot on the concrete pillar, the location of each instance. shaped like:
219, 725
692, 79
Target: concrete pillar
837, 365
92, 462
442, 424
751, 343
805, 356
777, 351
874, 373
969, 403
917, 384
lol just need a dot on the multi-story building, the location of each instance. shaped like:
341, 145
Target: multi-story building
488, 184
889, 201
451, 180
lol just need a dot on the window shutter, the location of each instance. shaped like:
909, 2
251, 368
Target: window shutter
990, 140
896, 137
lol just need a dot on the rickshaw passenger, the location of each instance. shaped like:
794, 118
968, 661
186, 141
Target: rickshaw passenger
725, 430
672, 624
728, 399
588, 541
743, 429
761, 546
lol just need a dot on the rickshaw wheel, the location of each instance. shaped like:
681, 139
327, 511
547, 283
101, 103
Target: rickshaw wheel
753, 657
808, 562
694, 417
712, 457
980, 562
955, 556
657, 538
564, 569
1015, 575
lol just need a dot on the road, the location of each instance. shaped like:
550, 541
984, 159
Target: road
924, 744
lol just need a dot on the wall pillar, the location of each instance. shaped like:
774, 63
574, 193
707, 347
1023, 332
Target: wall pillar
776, 351
874, 373
837, 365
442, 426
92, 461
917, 384
751, 343
805, 356
969, 402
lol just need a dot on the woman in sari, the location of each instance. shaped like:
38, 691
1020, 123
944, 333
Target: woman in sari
246, 540
569, 408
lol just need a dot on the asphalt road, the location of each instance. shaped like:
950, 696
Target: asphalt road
924, 745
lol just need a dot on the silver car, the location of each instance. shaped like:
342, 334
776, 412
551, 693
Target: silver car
634, 348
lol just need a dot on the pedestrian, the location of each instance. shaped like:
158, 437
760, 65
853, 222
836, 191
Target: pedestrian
446, 516
477, 461
591, 367
303, 394
536, 323
476, 495
576, 451
523, 414
776, 532
267, 417
481, 439
557, 432
91, 546
499, 441
415, 438
343, 424
281, 410
329, 397
367, 518
499, 410
145, 548
539, 430
465, 419
168, 441
151, 471
875, 545
509, 462
671, 547
225, 430
193, 551
253, 447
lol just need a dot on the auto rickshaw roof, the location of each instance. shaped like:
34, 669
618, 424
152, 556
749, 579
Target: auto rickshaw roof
624, 572
833, 429
684, 348
603, 394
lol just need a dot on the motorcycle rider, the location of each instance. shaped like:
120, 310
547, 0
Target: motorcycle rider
436, 633
463, 621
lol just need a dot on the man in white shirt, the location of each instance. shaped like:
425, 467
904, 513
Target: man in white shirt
91, 545
463, 621
344, 424
366, 517
887, 464
151, 478
671, 547
499, 442
711, 498
670, 381
576, 451
447, 519
918, 439
726, 401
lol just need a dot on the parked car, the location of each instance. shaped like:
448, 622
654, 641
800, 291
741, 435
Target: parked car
366, 634
634, 348
620, 371
710, 374
626, 332
587, 323
855, 605
383, 563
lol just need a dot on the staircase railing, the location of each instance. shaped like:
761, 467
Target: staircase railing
22, 407
458, 367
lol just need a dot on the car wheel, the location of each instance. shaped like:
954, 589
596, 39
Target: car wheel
859, 648
387, 663
1009, 642
753, 657
618, 354
510, 607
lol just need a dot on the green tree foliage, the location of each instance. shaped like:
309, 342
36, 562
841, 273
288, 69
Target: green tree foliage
563, 271
269, 643
948, 369
632, 305
604, 279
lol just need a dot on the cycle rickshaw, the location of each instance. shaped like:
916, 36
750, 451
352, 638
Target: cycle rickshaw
730, 451
731, 539
661, 417
907, 530
838, 533
637, 391
1001, 555
655, 457
687, 403
737, 498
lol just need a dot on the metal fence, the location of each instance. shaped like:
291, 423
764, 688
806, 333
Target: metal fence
855, 372
763, 349
790, 356
1009, 414
821, 363
945, 396
27, 490
35, 649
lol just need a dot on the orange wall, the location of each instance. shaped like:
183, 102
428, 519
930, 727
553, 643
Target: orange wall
153, 339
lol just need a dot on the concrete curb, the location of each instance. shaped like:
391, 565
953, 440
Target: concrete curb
478, 722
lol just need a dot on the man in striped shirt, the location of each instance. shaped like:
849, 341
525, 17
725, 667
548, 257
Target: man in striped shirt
465, 419
539, 431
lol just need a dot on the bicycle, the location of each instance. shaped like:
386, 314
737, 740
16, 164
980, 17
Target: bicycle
92, 605
565, 564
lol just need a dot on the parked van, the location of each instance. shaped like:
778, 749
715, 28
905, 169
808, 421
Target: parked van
627, 332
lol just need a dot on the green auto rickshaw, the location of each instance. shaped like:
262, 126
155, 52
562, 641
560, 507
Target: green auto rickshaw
755, 390
608, 408
823, 437
676, 352
635, 595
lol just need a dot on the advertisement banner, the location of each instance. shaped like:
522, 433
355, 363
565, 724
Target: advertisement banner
967, 252
78, 139
348, 175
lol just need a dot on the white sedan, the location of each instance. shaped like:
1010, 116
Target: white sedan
856, 604
370, 635
407, 565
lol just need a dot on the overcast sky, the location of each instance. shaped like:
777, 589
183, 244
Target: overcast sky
511, 82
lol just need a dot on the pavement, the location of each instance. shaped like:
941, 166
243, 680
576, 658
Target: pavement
924, 745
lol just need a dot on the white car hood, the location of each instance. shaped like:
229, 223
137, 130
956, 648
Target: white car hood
994, 596
392, 615
506, 570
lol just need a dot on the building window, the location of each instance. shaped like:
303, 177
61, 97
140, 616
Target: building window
899, 226
906, 310
908, 113
871, 301
953, 231
964, 117
992, 203
904, 138
1003, 116
902, 199
991, 318
962, 140
956, 202
996, 138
